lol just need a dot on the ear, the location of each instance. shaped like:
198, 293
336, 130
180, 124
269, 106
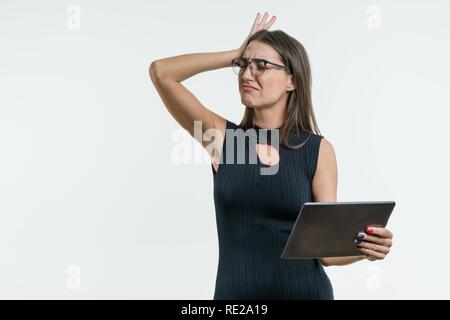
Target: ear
291, 85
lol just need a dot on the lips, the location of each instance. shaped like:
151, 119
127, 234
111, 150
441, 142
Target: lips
246, 86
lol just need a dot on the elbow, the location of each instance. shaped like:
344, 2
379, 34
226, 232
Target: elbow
324, 262
154, 70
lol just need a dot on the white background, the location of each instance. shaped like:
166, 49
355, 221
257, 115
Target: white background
93, 203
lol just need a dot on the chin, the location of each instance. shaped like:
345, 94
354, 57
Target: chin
248, 104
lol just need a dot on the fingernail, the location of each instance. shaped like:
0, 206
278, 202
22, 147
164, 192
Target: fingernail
369, 230
357, 242
361, 235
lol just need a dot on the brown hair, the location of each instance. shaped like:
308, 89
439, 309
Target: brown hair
299, 113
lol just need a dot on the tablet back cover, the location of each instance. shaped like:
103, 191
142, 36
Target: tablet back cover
328, 229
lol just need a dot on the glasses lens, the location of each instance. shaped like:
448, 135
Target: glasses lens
257, 66
238, 66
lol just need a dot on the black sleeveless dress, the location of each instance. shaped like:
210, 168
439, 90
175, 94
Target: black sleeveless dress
255, 214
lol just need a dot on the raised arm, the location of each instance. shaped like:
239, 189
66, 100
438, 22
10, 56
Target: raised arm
168, 73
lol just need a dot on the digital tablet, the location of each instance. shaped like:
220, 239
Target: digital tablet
328, 229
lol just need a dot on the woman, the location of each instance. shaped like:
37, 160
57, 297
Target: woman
255, 212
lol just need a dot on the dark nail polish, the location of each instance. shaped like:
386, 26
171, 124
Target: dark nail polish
361, 235
357, 242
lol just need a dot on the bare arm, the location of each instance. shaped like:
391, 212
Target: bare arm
184, 66
167, 73
325, 190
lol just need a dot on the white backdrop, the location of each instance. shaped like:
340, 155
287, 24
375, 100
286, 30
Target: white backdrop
93, 202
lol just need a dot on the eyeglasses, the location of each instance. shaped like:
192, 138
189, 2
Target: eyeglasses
258, 66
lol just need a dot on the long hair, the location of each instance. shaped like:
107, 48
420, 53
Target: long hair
299, 114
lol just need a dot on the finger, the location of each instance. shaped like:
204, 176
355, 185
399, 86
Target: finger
375, 239
255, 23
271, 22
374, 247
258, 17
382, 232
373, 254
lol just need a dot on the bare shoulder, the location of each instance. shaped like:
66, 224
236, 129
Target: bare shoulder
326, 148
326, 175
327, 156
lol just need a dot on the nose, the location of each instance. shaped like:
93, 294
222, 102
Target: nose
247, 74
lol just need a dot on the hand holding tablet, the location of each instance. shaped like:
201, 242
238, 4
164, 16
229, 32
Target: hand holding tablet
375, 243
333, 229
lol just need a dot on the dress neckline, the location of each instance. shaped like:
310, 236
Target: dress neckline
258, 127
255, 126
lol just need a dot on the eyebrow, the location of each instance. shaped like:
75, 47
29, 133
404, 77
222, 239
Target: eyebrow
254, 58
270, 60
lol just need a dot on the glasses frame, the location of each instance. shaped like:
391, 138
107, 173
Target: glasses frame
250, 61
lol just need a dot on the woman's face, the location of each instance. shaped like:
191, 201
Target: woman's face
271, 86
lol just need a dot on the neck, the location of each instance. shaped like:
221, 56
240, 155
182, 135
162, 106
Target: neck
271, 116
268, 119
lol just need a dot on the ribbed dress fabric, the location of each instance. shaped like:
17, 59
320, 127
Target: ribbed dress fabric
255, 214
